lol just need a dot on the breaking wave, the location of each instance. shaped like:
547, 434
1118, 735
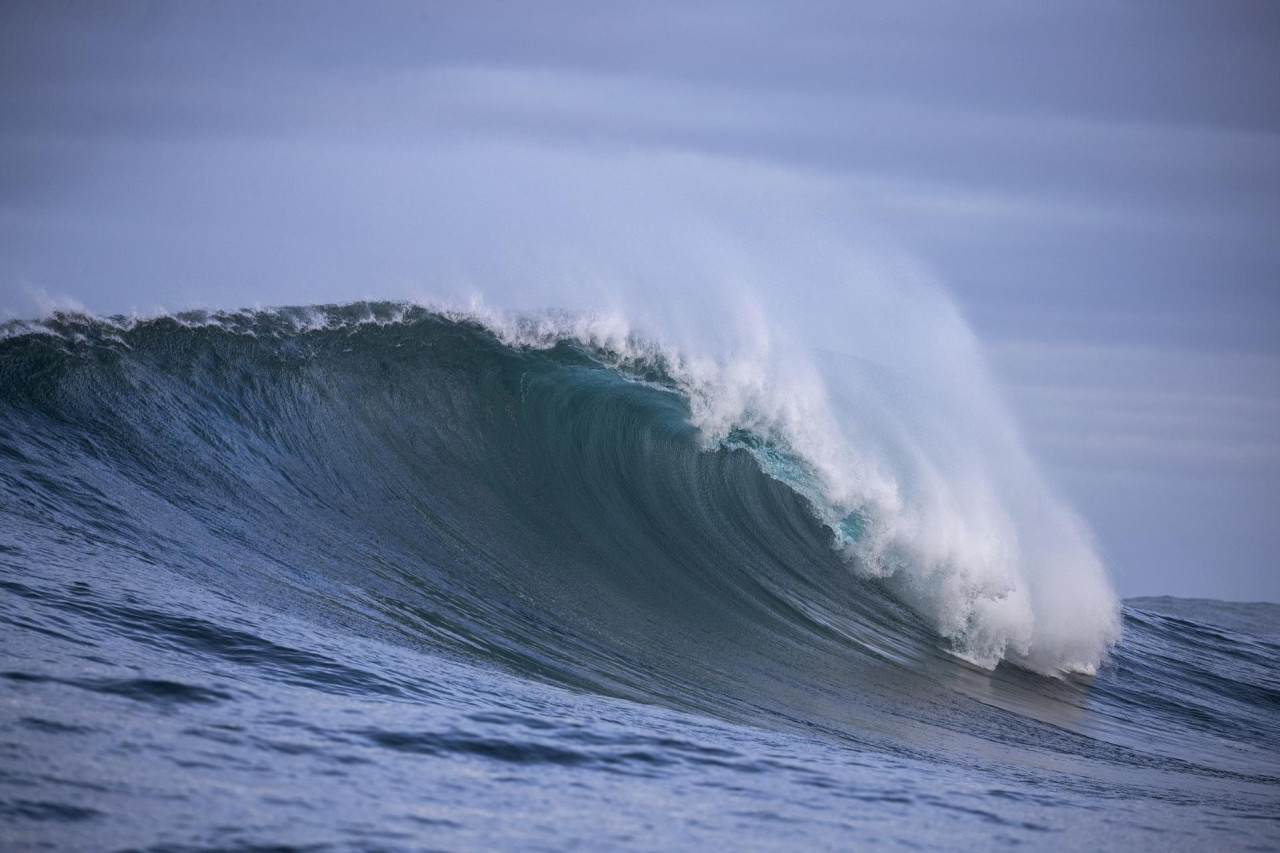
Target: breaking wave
562, 493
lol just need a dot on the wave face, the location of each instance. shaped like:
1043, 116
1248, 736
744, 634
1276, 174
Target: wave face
551, 507
378, 541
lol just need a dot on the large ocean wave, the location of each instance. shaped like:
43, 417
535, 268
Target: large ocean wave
381, 575
561, 491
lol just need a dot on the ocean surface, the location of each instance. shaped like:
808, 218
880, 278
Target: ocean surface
379, 577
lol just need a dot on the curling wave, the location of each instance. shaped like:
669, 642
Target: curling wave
554, 492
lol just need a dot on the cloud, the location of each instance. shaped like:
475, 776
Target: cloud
1099, 183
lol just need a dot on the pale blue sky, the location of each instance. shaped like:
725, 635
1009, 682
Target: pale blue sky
1097, 183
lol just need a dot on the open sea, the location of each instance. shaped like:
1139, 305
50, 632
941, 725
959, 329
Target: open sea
378, 577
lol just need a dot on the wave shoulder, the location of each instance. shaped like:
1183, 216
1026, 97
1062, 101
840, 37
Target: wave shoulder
1252, 617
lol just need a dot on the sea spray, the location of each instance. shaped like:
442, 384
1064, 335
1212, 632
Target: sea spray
923, 483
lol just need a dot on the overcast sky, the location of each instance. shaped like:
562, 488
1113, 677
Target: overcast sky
1098, 184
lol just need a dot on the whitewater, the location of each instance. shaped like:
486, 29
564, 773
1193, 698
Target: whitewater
465, 575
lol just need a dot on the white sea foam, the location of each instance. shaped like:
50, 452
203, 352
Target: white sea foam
953, 514
867, 385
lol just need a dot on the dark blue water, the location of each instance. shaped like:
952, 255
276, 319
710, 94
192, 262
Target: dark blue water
273, 583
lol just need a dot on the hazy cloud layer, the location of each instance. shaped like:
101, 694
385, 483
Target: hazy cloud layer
1099, 183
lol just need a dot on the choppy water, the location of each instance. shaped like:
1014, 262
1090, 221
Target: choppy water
383, 581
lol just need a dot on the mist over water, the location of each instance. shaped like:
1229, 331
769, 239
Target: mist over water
779, 317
